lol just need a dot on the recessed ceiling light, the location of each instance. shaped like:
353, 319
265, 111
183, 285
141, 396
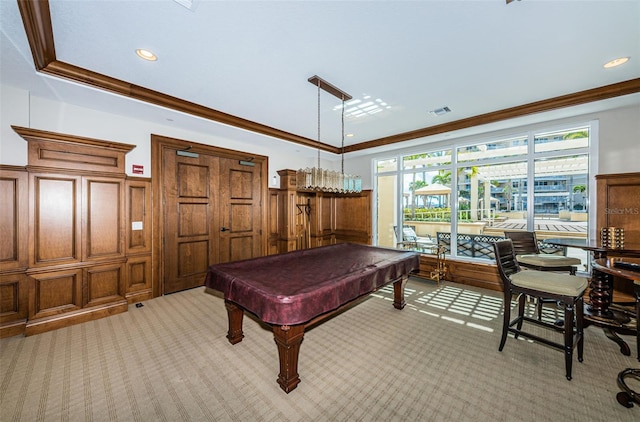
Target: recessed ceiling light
146, 54
349, 135
616, 62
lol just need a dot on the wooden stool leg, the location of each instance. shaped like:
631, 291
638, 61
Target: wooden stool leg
506, 319
580, 326
568, 338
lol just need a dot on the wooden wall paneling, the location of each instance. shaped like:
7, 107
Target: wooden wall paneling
353, 220
273, 227
478, 274
138, 215
312, 225
321, 218
14, 218
103, 231
325, 224
104, 284
55, 224
14, 303
287, 212
55, 292
618, 204
57, 298
138, 277
75, 153
14, 250
76, 237
299, 216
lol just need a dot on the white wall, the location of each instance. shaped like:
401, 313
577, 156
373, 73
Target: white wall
619, 143
18, 108
618, 140
619, 136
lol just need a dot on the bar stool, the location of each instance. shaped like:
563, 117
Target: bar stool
565, 289
528, 254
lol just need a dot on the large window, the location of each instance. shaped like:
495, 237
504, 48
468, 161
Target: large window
473, 191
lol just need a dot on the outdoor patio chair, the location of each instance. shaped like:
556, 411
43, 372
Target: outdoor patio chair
412, 241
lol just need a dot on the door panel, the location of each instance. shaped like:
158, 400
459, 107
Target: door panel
211, 214
240, 210
190, 243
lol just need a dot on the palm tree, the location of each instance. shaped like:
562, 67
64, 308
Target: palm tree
443, 177
579, 189
509, 191
413, 186
576, 135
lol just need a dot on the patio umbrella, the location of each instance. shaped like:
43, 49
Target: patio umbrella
435, 189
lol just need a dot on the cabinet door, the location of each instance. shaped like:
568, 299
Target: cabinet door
103, 223
55, 226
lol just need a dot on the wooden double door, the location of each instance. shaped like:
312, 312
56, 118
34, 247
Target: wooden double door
211, 212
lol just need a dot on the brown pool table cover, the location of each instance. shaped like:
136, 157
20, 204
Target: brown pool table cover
295, 287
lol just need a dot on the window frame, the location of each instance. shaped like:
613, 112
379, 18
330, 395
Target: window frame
530, 133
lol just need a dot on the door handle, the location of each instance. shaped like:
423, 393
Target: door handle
223, 229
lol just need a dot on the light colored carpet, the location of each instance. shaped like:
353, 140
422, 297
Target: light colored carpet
436, 360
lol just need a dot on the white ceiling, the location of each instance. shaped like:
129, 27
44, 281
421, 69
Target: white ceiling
252, 59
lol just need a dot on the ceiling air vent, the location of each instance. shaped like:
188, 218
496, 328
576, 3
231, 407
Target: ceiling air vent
186, 3
440, 111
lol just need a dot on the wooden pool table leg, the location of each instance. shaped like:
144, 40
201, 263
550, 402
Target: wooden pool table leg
398, 292
288, 339
235, 314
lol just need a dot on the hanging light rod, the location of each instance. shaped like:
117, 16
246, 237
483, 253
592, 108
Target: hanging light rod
318, 81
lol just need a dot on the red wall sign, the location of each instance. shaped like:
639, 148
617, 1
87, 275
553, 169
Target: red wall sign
138, 169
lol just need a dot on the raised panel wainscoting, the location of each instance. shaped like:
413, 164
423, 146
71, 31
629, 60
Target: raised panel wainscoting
79, 239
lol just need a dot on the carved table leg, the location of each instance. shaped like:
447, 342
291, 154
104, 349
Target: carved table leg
606, 314
398, 292
613, 336
235, 314
288, 339
636, 288
600, 293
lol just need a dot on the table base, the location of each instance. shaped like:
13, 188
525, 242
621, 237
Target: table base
288, 338
618, 319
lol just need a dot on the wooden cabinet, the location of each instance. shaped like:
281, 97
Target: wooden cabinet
67, 215
619, 204
301, 219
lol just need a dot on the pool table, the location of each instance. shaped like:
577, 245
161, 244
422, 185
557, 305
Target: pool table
293, 290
